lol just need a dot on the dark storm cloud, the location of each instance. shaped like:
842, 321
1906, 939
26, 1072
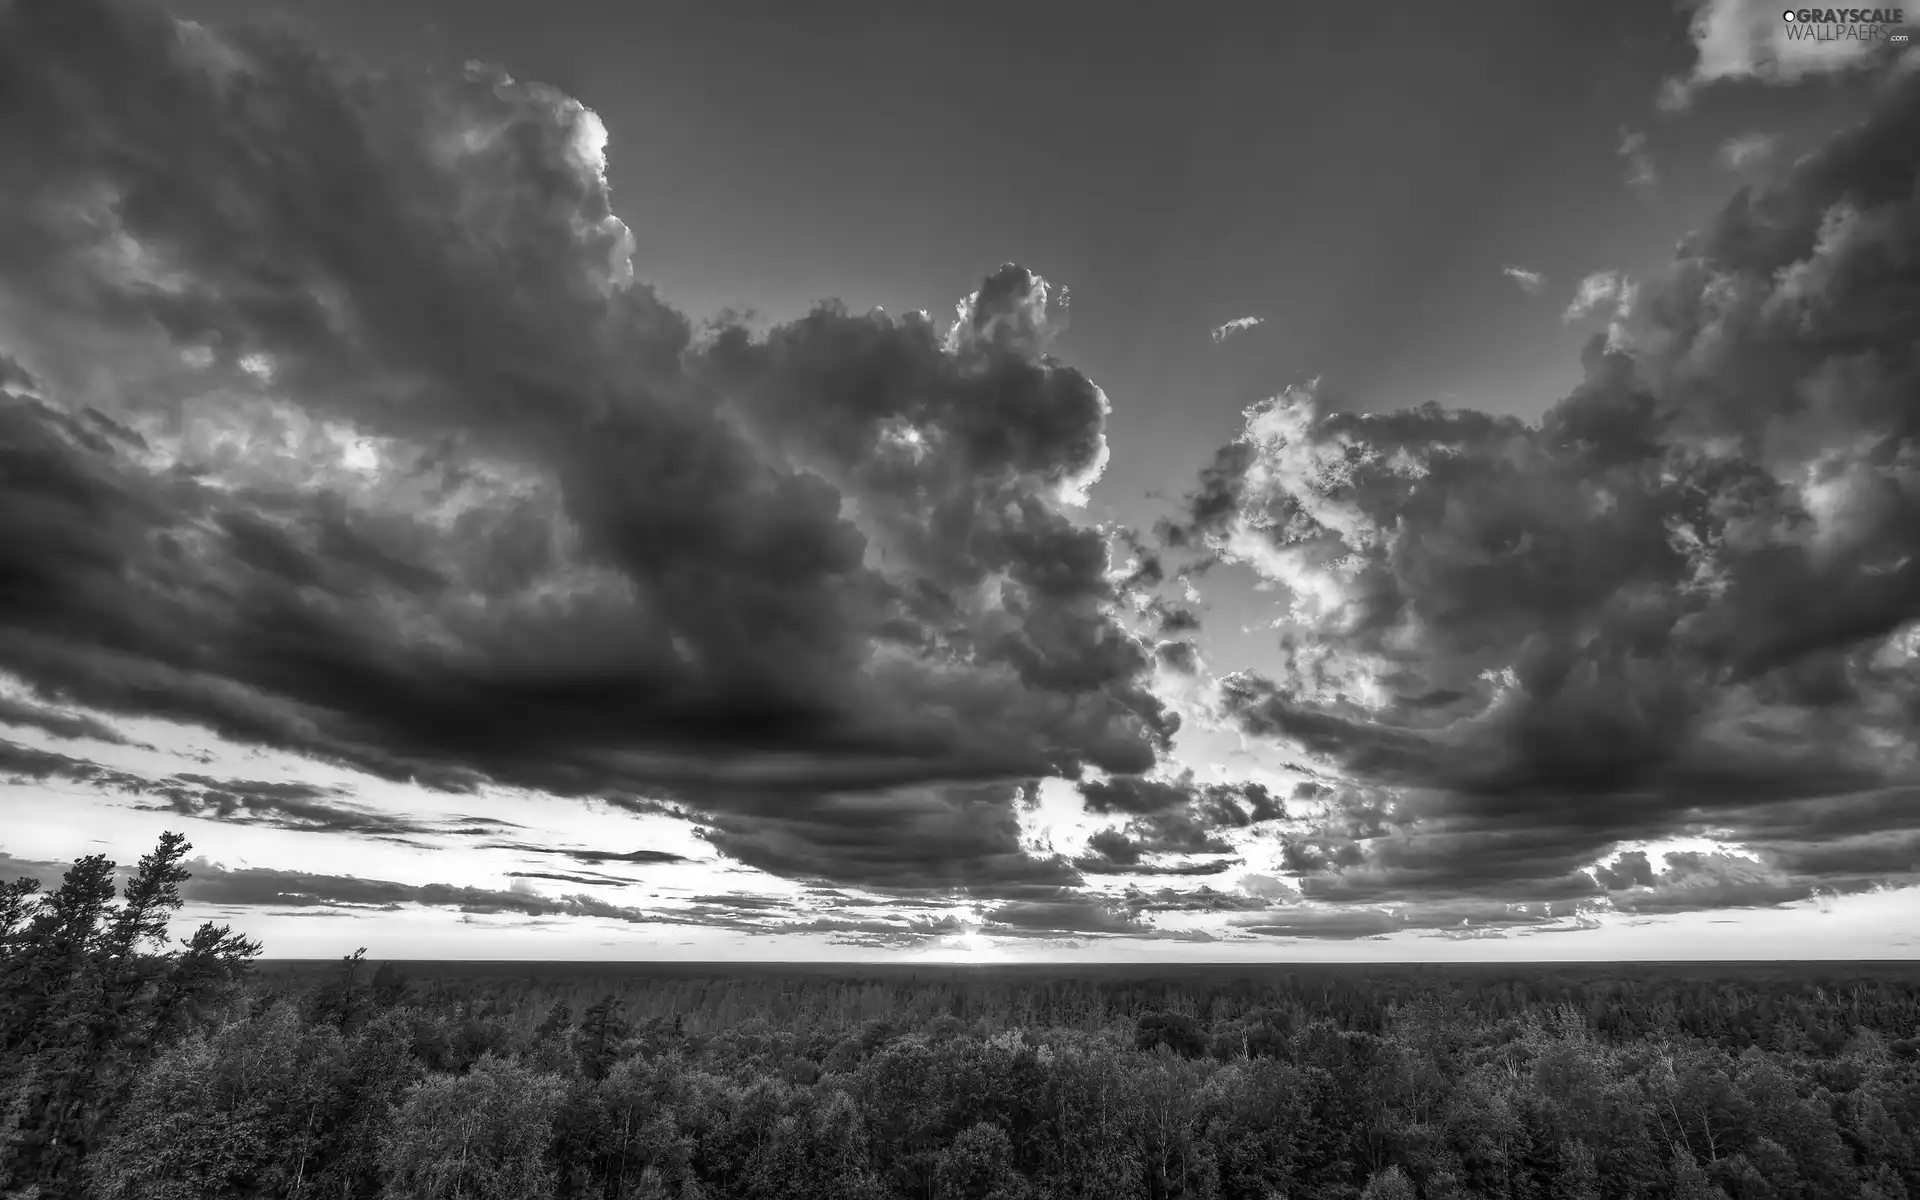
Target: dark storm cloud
21, 763
1200, 899
1780, 874
302, 807
1170, 817
1134, 795
892, 935
1115, 847
1114, 852
1101, 866
1700, 881
594, 858
941, 838
592, 880
1177, 620
1178, 832
261, 886
1631, 869
335, 422
68, 726
1455, 918
1181, 657
1684, 602
14, 868
1075, 914
1329, 924
1219, 804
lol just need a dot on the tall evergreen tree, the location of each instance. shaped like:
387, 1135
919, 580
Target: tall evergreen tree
83, 1003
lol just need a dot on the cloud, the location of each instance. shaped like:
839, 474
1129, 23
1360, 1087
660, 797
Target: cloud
1598, 291
305, 893
1135, 795
1182, 658
14, 868
1170, 817
336, 421
67, 726
926, 840
589, 880
1237, 325
594, 858
288, 805
263, 886
1532, 282
1202, 899
1746, 151
1116, 847
1078, 914
1694, 881
1750, 40
21, 763
301, 807
1684, 603
1641, 172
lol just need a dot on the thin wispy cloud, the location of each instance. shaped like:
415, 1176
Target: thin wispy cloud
1531, 282
1236, 326
1747, 151
1641, 172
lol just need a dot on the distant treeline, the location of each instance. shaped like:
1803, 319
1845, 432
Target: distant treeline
1814, 1007
127, 1071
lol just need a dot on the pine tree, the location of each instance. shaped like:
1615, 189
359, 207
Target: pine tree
602, 1028
83, 1004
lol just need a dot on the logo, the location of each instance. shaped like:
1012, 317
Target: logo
1845, 24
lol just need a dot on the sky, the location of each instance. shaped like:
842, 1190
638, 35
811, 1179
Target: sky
1017, 482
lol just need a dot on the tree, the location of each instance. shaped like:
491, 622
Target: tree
978, 1166
1389, 1183
479, 1136
1578, 1178
1176, 1031
226, 1115
83, 1005
1689, 1181
596, 1042
345, 1000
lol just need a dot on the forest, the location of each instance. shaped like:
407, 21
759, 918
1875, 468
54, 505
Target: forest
135, 1068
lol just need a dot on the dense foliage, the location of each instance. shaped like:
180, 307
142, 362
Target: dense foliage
133, 1073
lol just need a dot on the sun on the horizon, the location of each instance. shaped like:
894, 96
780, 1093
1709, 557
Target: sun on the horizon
969, 946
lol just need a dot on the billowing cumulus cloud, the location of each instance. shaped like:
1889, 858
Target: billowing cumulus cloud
1750, 39
336, 420
1685, 603
1170, 817
1694, 880
1602, 291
